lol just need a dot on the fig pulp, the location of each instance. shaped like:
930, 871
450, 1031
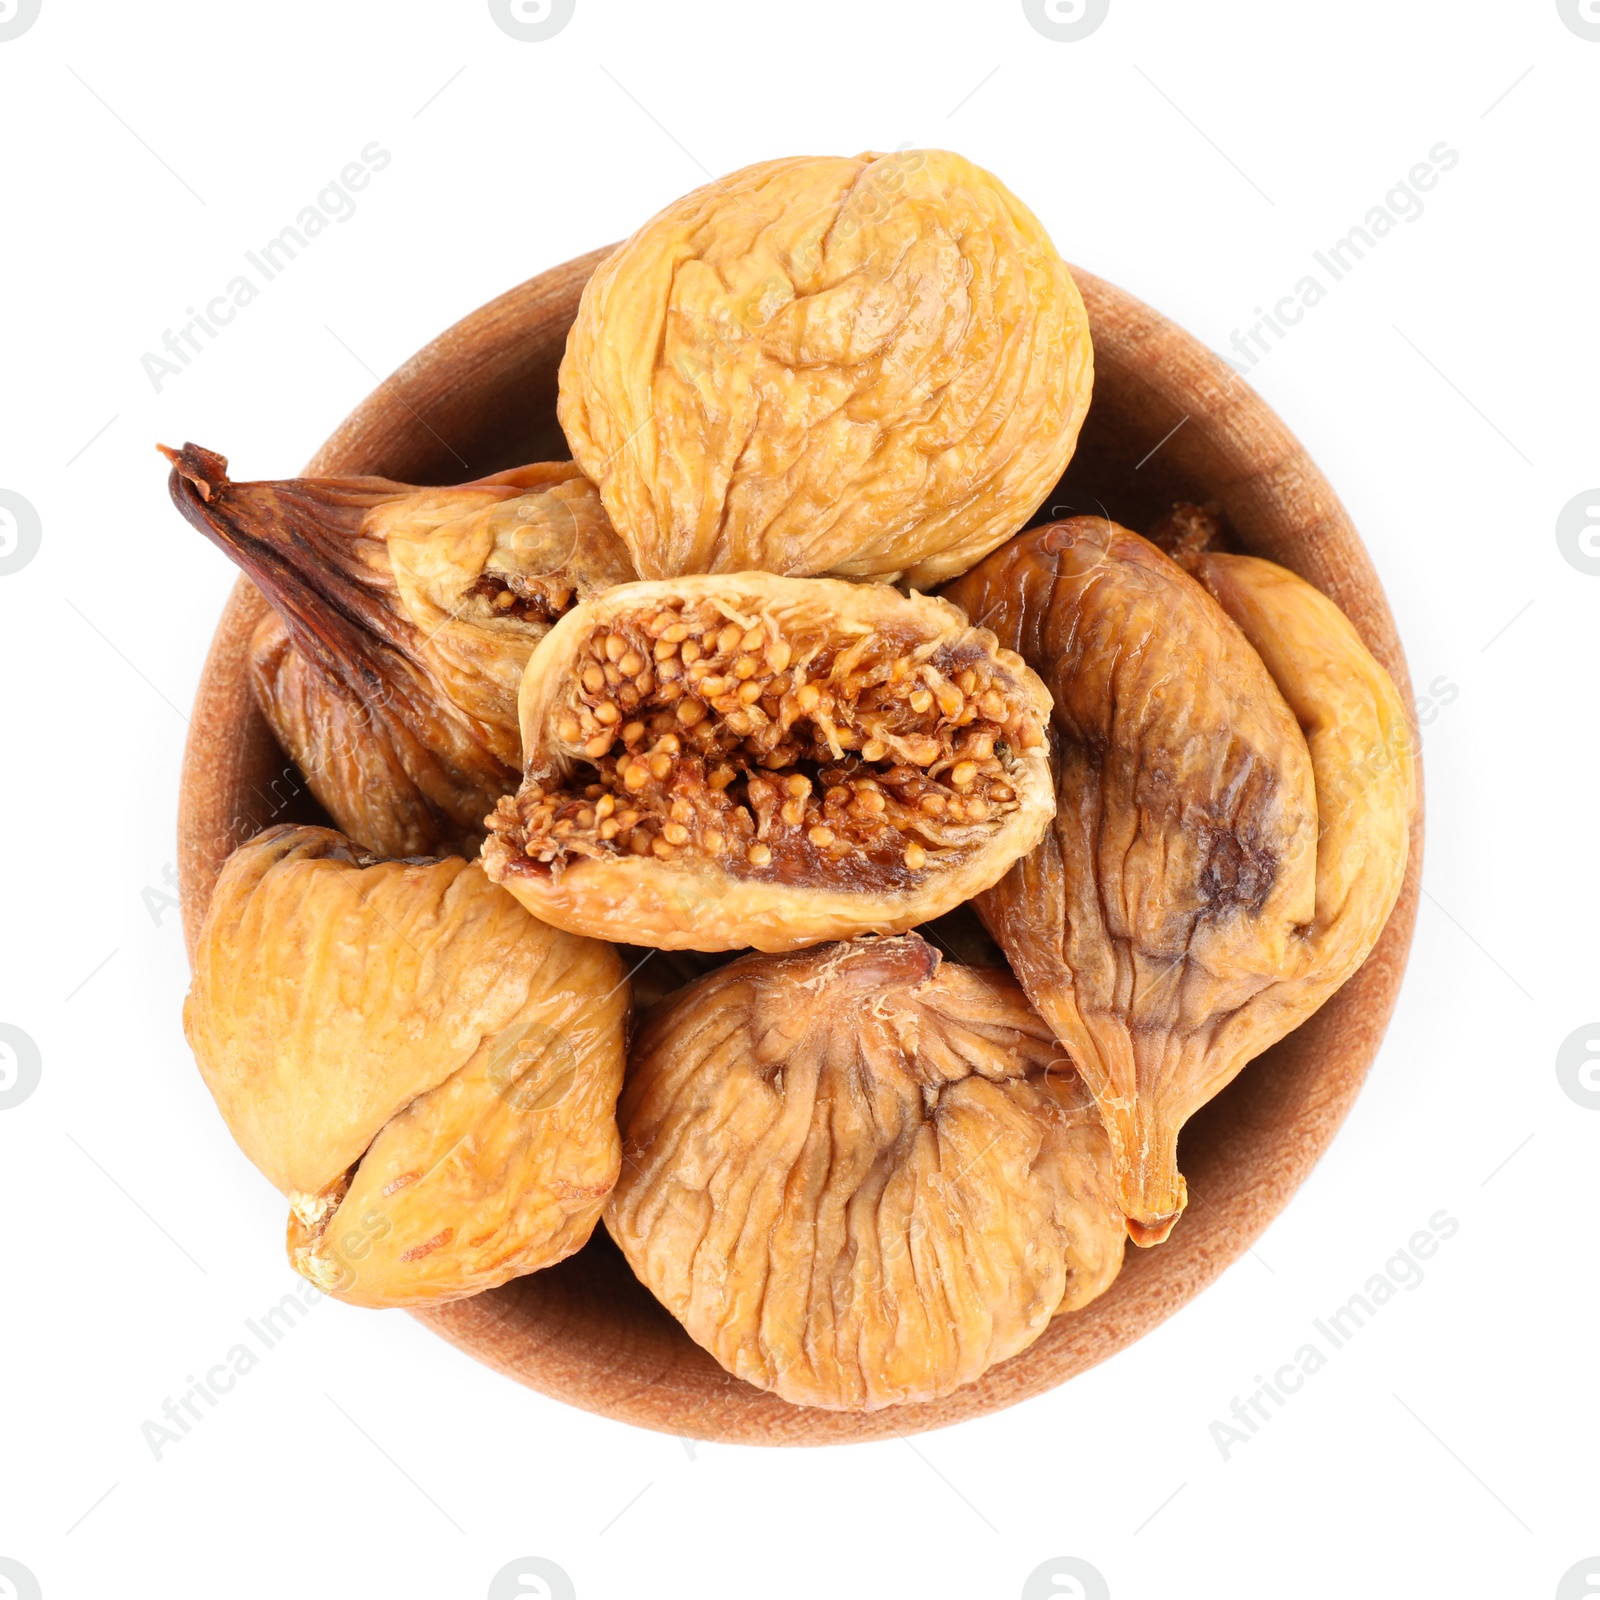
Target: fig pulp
745, 760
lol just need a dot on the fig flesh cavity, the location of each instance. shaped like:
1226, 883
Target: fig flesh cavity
870, 366
403, 619
859, 1177
427, 1072
752, 761
1177, 882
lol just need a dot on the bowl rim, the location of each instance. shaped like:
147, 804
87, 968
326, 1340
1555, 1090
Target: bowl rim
503, 1328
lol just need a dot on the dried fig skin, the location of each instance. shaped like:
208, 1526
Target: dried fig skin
1178, 878
400, 792
873, 366
1188, 529
1357, 727
744, 760
484, 584
428, 1073
858, 1176
1364, 757
406, 616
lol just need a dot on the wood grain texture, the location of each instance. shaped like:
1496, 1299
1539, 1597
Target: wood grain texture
480, 398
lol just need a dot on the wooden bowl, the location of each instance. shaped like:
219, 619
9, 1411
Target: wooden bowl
1169, 422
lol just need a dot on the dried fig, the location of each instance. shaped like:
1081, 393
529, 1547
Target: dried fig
1178, 876
870, 366
403, 620
747, 760
1208, 881
427, 1072
1364, 757
860, 1178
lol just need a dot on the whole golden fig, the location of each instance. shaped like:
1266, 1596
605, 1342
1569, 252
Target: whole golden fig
427, 1072
402, 620
871, 366
1363, 756
859, 1177
1208, 880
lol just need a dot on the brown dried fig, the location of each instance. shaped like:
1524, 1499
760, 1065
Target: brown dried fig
860, 1178
427, 1072
746, 760
1202, 888
870, 366
1363, 754
403, 620
1172, 885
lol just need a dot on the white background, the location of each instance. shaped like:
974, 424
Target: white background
1193, 153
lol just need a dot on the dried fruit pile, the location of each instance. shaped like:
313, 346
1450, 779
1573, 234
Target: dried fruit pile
690, 693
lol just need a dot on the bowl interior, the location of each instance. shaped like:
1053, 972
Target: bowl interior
1169, 422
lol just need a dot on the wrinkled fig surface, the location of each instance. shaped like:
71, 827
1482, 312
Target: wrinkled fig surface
1177, 880
427, 1072
1363, 754
745, 760
1234, 796
858, 1177
870, 366
402, 620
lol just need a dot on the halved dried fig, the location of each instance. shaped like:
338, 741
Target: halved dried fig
746, 760
403, 620
870, 366
1176, 886
427, 1072
859, 1177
